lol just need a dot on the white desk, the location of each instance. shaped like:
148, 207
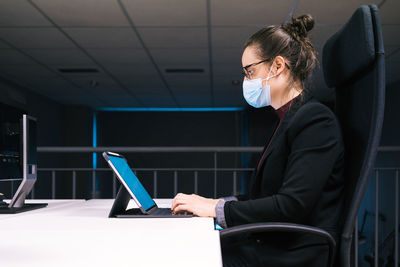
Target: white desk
80, 234
52, 205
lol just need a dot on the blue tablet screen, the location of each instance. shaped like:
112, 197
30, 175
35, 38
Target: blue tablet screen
132, 181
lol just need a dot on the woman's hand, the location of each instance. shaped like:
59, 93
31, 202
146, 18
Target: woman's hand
200, 206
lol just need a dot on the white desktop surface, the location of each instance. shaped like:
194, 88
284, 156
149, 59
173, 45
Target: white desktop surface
57, 204
81, 234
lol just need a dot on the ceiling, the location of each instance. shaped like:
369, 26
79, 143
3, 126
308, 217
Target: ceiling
132, 42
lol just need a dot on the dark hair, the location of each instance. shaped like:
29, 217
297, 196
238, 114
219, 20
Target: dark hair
290, 41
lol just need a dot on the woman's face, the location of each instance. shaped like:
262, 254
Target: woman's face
250, 57
279, 74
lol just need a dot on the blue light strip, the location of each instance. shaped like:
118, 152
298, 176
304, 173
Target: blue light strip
172, 109
94, 139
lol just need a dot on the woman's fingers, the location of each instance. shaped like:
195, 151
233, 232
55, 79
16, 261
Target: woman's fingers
177, 202
200, 206
179, 199
182, 207
175, 199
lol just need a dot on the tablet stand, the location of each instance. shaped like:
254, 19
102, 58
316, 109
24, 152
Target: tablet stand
120, 203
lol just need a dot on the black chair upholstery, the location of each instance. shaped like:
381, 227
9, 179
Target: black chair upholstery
353, 64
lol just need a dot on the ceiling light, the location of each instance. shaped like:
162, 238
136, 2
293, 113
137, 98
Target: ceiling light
78, 70
184, 70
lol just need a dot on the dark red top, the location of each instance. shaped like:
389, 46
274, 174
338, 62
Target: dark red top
281, 112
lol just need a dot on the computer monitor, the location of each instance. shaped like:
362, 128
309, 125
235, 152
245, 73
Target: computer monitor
29, 162
29, 167
10, 146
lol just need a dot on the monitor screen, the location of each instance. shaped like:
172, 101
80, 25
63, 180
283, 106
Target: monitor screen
10, 145
132, 181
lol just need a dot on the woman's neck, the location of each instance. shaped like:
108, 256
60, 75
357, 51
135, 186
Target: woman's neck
293, 93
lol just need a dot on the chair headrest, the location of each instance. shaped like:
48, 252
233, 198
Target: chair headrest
350, 50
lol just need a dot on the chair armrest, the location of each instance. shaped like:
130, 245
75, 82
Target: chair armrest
282, 227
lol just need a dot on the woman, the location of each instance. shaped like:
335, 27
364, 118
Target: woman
299, 177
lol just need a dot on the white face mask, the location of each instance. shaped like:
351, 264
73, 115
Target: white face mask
255, 94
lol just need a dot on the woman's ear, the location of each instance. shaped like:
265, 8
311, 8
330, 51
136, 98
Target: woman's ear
278, 65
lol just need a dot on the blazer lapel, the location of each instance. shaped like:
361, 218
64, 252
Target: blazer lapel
272, 142
286, 119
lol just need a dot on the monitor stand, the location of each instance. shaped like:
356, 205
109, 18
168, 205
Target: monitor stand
25, 207
29, 170
17, 204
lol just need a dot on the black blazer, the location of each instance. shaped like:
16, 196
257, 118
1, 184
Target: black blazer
300, 180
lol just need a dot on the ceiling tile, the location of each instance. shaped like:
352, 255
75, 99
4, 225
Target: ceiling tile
60, 57
180, 56
319, 35
225, 83
232, 37
330, 12
80, 100
27, 71
4, 45
144, 82
35, 38
104, 83
120, 99
17, 13
155, 91
13, 57
188, 81
121, 56
194, 98
104, 37
231, 56
83, 12
51, 86
174, 37
109, 92
132, 70
167, 12
237, 12
163, 100
391, 34
153, 96
57, 88
228, 70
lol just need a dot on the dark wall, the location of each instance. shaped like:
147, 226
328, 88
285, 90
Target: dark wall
48, 113
173, 129
58, 125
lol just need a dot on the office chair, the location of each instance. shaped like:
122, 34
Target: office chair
354, 65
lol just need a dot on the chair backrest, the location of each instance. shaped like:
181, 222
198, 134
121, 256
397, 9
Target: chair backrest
353, 63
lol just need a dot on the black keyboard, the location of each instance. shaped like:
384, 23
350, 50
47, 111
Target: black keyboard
156, 212
167, 211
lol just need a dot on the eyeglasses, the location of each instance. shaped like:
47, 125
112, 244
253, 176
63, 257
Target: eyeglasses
247, 73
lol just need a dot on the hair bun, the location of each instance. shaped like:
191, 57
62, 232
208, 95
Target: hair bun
300, 26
